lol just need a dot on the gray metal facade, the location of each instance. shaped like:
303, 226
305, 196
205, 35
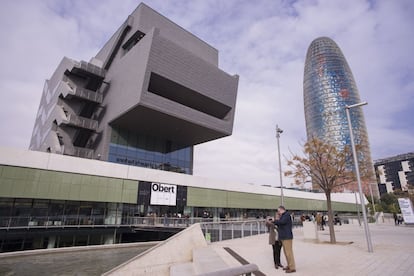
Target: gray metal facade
152, 81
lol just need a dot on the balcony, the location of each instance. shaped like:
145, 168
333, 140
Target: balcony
69, 89
79, 152
85, 94
82, 122
83, 152
88, 95
84, 68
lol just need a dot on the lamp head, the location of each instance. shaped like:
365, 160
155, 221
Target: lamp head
356, 105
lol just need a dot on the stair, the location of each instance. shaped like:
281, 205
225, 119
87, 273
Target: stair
205, 260
182, 269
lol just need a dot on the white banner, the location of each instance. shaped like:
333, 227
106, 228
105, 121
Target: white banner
406, 209
163, 194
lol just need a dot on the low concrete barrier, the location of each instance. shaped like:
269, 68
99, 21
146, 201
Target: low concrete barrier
310, 231
157, 260
37, 252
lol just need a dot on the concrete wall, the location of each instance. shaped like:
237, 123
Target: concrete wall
171, 61
16, 182
157, 260
232, 199
145, 18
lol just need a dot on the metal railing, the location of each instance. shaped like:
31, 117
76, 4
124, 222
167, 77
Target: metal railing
91, 68
82, 122
163, 221
83, 152
88, 94
72, 88
219, 231
96, 221
51, 221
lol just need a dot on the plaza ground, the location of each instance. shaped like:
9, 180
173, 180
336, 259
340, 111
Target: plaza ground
393, 250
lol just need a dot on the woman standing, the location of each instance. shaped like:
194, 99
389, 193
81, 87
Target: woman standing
274, 241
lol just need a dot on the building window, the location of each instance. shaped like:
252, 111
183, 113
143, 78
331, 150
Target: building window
150, 152
134, 39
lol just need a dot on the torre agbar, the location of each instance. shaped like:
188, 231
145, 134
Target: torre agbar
328, 87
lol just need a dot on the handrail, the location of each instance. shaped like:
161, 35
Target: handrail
82, 92
61, 221
233, 221
82, 122
218, 231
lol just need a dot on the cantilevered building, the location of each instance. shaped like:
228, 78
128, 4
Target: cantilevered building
328, 87
151, 93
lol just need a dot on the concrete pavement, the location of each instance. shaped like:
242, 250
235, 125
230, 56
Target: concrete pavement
393, 251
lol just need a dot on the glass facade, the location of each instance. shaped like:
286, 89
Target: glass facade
142, 150
328, 87
15, 212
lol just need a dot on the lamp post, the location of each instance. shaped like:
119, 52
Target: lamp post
278, 132
357, 208
361, 197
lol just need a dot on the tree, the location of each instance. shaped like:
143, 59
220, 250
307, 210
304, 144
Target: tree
371, 206
327, 167
389, 203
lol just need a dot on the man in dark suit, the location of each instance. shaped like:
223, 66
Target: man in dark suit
286, 236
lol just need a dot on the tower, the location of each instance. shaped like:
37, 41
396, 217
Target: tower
328, 87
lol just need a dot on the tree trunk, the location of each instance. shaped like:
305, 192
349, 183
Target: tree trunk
330, 217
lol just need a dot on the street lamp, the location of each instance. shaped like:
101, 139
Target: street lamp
361, 197
278, 132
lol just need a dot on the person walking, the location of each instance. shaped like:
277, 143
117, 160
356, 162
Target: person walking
284, 224
395, 219
274, 241
319, 221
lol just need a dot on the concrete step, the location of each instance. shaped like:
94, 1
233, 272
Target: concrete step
183, 269
206, 259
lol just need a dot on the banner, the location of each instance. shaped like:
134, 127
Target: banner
406, 209
163, 194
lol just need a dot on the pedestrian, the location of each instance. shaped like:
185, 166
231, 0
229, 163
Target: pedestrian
312, 218
400, 219
337, 220
395, 219
284, 224
326, 219
319, 221
274, 241
323, 222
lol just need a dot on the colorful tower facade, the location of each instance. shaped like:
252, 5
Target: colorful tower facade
328, 87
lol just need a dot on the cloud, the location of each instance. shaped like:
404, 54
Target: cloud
265, 42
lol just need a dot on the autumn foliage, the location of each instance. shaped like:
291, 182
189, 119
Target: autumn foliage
327, 167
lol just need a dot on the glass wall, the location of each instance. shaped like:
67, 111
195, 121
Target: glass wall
141, 150
18, 212
44, 212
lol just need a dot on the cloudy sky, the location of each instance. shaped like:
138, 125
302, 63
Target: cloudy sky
264, 42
